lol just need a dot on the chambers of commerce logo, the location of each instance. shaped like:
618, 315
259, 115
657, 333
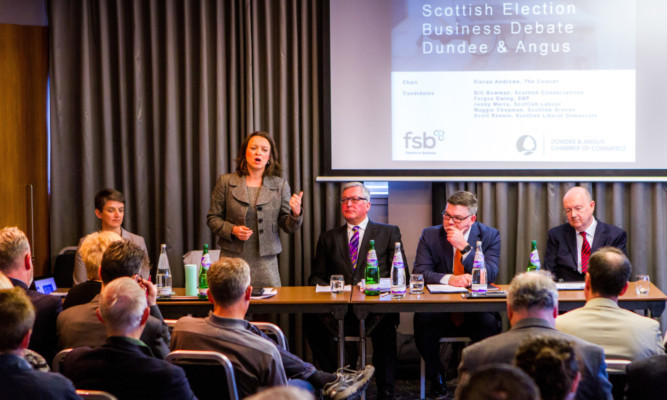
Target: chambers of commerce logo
526, 145
421, 143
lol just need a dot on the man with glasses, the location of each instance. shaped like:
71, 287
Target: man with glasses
445, 256
343, 250
570, 245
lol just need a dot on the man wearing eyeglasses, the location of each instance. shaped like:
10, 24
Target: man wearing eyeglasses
570, 245
445, 256
343, 250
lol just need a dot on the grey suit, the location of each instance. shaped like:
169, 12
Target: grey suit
229, 205
78, 326
501, 349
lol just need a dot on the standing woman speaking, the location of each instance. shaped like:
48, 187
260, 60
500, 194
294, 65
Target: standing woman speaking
250, 205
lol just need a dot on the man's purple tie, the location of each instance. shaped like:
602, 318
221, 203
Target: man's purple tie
585, 253
354, 246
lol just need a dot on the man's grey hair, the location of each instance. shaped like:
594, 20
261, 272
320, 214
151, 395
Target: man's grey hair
122, 304
364, 189
532, 289
228, 279
463, 198
13, 244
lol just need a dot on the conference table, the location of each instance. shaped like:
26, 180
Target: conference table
304, 299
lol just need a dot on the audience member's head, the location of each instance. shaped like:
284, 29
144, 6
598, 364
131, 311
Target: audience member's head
228, 280
282, 393
5, 283
609, 271
15, 259
123, 307
497, 382
552, 363
531, 290
92, 249
120, 259
105, 195
463, 198
17, 315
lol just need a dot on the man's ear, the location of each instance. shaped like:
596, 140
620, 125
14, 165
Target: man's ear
624, 289
144, 317
248, 293
27, 261
209, 296
99, 316
26, 340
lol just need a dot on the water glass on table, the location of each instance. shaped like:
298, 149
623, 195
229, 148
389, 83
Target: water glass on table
642, 284
337, 283
416, 283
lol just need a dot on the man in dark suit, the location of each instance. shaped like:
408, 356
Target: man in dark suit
532, 307
123, 365
569, 245
445, 255
79, 326
16, 264
334, 256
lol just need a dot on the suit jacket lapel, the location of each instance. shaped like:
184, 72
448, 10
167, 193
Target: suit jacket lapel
447, 250
364, 246
239, 189
343, 247
600, 233
571, 240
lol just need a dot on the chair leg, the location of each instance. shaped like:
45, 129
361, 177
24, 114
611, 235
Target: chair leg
422, 378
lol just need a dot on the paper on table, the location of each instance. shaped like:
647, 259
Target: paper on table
570, 285
268, 292
439, 288
327, 289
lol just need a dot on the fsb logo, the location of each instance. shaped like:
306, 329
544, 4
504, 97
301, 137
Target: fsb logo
425, 141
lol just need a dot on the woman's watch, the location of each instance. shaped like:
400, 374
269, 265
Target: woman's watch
466, 249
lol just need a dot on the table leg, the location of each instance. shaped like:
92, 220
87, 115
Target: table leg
341, 344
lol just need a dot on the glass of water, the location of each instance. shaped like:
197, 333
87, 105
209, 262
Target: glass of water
337, 283
416, 283
642, 284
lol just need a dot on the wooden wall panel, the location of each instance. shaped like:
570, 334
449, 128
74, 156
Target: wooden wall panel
23, 136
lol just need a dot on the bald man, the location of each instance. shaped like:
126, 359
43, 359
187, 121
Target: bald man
569, 245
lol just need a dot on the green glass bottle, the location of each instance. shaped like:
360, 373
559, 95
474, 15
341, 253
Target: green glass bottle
534, 259
203, 270
372, 272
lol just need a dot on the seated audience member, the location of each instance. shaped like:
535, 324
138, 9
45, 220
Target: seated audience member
621, 333
124, 365
35, 360
552, 363
79, 326
16, 264
110, 209
258, 363
497, 382
570, 245
445, 255
532, 307
91, 250
354, 237
18, 380
646, 378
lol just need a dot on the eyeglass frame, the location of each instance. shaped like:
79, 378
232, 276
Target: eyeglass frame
457, 220
354, 200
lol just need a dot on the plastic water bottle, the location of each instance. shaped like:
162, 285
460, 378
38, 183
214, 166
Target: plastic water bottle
372, 272
203, 269
163, 274
479, 272
397, 273
534, 260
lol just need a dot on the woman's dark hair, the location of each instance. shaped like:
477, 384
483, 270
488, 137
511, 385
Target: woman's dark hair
272, 167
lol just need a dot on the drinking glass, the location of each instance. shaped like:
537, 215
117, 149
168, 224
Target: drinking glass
337, 283
416, 283
642, 284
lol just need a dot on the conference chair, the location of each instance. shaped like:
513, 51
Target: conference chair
616, 371
273, 331
210, 373
422, 373
95, 395
58, 359
63, 268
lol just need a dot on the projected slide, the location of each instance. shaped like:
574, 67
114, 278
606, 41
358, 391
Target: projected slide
528, 81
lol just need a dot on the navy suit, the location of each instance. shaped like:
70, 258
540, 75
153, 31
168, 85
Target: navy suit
333, 257
127, 370
435, 259
562, 255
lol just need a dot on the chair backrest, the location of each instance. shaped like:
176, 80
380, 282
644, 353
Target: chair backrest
63, 269
207, 372
273, 331
95, 395
616, 366
58, 359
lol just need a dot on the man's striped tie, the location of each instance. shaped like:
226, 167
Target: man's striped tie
354, 247
585, 253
